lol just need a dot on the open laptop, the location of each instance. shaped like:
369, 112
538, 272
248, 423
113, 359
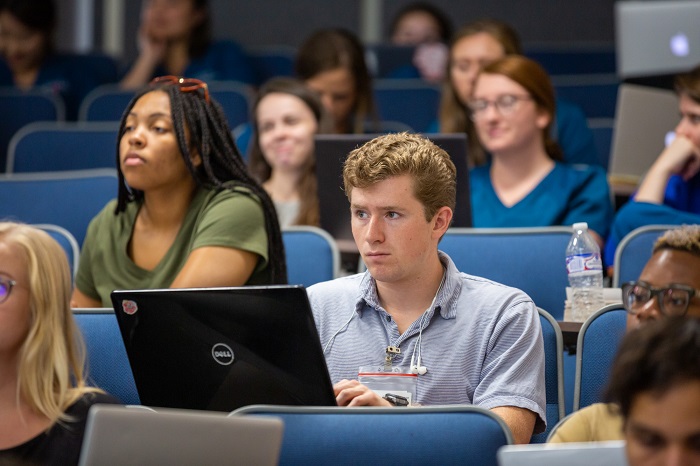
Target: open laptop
333, 149
656, 37
569, 454
118, 435
222, 348
645, 119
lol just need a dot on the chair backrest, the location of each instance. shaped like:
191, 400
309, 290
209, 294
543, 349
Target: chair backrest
20, 108
634, 251
407, 436
553, 372
272, 61
107, 363
108, 102
602, 129
67, 241
312, 255
595, 94
410, 101
67, 199
584, 59
531, 259
73, 146
597, 344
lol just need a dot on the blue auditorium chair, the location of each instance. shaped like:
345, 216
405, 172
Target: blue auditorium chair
340, 436
73, 146
272, 61
531, 259
410, 101
20, 108
67, 199
602, 129
67, 242
107, 103
634, 251
576, 59
595, 94
107, 363
598, 339
312, 255
553, 373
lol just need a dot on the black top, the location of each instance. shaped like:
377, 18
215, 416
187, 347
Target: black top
61, 444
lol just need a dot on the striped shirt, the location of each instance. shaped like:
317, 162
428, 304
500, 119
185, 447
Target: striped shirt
481, 343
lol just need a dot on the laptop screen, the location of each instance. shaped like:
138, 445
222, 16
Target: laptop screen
222, 348
656, 37
331, 152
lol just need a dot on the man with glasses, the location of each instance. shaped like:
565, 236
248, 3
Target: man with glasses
669, 286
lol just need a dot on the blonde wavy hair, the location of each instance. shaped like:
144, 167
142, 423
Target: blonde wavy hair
52, 357
432, 170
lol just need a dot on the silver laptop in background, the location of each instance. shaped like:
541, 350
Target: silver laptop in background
568, 454
656, 37
645, 120
119, 435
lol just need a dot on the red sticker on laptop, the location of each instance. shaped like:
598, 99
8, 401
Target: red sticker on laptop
129, 307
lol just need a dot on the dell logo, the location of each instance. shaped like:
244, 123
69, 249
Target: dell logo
222, 354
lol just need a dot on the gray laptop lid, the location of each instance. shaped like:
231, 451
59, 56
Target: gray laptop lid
568, 454
117, 435
644, 117
656, 37
331, 151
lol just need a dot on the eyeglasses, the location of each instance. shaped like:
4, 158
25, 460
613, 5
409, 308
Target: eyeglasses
672, 300
185, 84
505, 104
5, 288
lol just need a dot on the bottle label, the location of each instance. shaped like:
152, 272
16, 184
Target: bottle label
583, 262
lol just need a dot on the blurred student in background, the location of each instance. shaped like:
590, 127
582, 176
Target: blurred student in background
44, 399
29, 59
286, 116
423, 25
174, 38
332, 63
670, 191
188, 213
525, 183
476, 45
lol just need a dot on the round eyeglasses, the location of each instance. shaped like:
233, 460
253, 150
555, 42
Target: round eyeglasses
505, 104
5, 288
673, 300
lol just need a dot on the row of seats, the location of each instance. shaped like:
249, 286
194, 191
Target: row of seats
108, 365
528, 258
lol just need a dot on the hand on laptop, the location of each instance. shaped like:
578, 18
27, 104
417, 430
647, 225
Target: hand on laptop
353, 393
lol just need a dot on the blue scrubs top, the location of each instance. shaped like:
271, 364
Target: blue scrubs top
568, 194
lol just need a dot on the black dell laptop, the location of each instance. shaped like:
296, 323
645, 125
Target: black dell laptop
222, 348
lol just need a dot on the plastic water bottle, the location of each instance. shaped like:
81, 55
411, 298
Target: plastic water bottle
585, 271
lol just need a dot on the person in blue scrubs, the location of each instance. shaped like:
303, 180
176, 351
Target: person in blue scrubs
486, 41
670, 191
30, 62
525, 184
175, 39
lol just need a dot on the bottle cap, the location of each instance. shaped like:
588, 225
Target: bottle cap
580, 226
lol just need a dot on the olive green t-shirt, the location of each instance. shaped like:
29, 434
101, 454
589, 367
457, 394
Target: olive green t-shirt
220, 217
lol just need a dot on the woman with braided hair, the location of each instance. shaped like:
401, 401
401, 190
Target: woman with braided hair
188, 214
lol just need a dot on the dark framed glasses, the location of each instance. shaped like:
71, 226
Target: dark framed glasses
673, 300
5, 288
185, 84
